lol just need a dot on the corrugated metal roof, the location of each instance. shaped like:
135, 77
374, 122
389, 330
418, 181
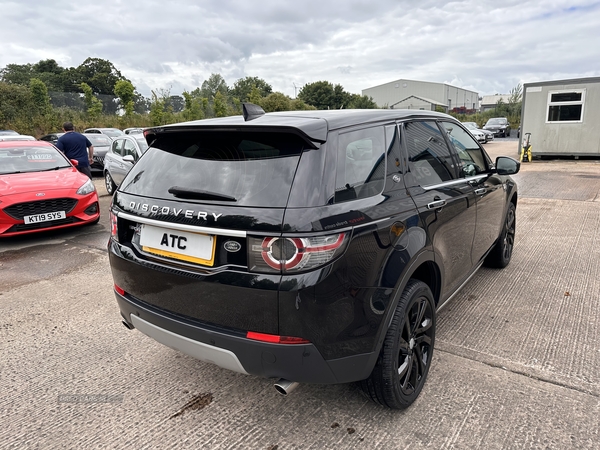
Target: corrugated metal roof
493, 99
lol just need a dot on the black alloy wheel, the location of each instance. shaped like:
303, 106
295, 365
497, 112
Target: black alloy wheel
501, 254
405, 359
109, 183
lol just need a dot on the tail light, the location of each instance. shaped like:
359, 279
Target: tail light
294, 254
275, 339
113, 225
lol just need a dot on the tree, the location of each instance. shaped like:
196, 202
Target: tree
243, 87
276, 102
324, 95
361, 102
192, 109
100, 75
255, 96
93, 105
514, 102
39, 92
176, 102
214, 84
219, 105
17, 74
126, 92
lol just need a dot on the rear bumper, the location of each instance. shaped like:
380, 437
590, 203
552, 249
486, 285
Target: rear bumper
227, 349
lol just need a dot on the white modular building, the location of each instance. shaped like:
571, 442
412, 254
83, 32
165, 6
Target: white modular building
562, 117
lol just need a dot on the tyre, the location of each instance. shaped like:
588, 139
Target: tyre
500, 255
405, 358
109, 183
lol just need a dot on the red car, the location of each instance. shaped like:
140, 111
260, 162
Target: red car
40, 189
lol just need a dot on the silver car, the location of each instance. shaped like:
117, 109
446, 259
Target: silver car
123, 153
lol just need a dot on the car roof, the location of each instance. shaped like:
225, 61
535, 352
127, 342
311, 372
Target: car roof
314, 123
17, 137
4, 144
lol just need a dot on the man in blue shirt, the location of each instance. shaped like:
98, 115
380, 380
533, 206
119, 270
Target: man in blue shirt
76, 146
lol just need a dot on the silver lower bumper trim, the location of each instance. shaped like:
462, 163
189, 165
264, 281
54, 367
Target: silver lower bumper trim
204, 352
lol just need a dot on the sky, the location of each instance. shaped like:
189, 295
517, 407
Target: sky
488, 46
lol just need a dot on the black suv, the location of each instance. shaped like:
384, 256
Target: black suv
311, 246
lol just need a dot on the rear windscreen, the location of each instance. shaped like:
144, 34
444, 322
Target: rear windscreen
229, 167
99, 140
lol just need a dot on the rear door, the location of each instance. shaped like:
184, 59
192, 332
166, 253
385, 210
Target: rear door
446, 202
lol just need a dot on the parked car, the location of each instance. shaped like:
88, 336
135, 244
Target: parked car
489, 136
40, 189
477, 134
16, 137
498, 125
133, 130
112, 132
123, 153
8, 133
52, 137
310, 246
101, 143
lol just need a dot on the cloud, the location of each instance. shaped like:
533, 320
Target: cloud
484, 45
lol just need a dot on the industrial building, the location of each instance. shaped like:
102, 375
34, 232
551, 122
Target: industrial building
424, 95
489, 102
562, 117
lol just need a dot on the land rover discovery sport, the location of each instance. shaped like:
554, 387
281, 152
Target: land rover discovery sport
308, 246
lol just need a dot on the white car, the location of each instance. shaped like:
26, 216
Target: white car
472, 126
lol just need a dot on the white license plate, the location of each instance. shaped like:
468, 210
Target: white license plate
46, 217
183, 245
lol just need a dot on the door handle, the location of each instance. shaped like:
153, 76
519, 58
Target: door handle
480, 191
437, 204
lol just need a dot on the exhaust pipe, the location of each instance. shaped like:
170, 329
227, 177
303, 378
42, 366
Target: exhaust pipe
127, 325
284, 387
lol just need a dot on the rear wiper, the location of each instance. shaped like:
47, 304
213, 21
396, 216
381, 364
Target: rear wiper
196, 194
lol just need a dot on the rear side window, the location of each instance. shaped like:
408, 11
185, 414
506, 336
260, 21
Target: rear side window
361, 164
429, 157
242, 168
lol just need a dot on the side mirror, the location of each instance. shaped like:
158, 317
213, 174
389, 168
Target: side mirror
129, 158
74, 162
507, 166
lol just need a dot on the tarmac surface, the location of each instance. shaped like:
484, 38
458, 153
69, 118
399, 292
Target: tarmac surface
516, 361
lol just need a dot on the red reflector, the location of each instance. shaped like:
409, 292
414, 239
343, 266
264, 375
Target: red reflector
275, 339
119, 290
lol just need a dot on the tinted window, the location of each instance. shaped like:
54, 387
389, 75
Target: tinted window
429, 158
255, 168
361, 164
472, 161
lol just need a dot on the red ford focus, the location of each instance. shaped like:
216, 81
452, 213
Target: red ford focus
40, 189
